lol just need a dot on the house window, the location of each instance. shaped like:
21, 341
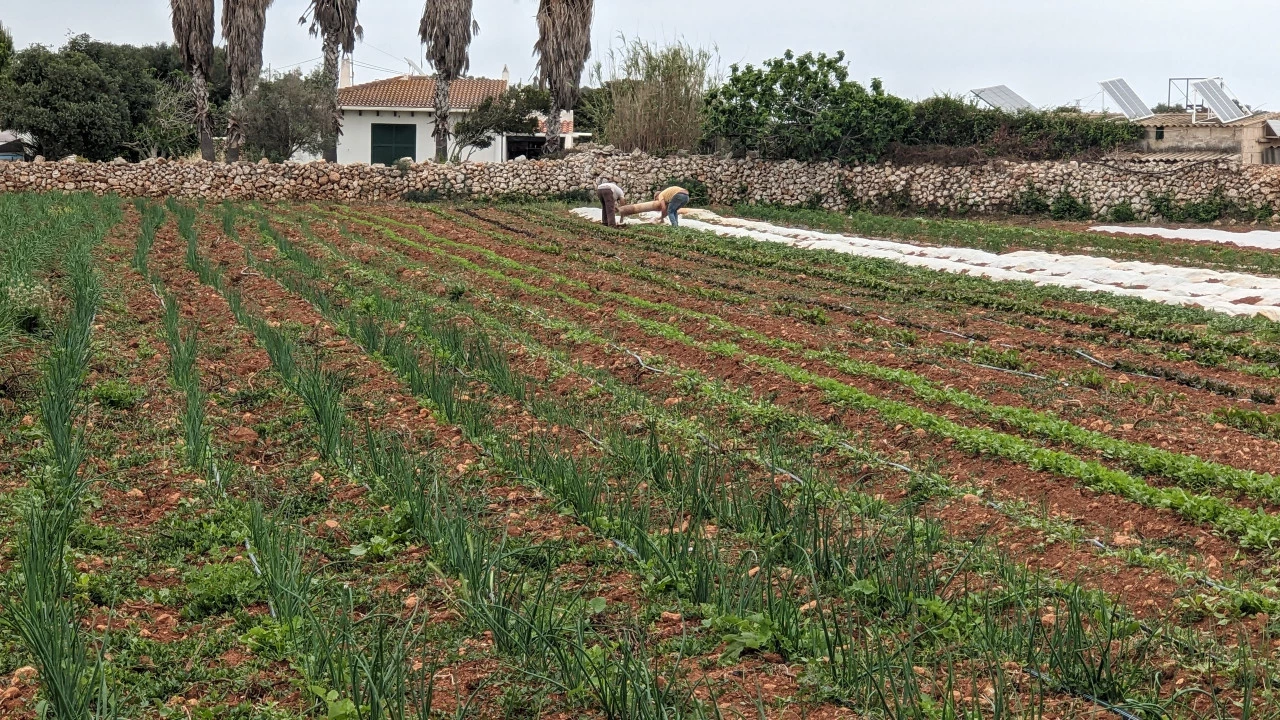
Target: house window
388, 143
1159, 133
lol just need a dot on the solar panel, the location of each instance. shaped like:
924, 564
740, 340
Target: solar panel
1273, 128
1002, 98
1130, 104
1219, 101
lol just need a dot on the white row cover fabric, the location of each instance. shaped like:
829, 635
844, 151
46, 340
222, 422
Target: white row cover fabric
1265, 239
1225, 292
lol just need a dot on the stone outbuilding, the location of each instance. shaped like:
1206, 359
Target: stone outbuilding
1254, 140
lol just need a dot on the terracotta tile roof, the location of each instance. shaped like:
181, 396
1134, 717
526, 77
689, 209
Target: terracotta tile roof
418, 92
566, 126
1183, 119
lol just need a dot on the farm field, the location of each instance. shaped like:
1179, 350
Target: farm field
492, 460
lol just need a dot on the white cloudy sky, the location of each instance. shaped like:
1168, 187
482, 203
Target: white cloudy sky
1052, 52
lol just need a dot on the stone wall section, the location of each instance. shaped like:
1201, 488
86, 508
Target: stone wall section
986, 188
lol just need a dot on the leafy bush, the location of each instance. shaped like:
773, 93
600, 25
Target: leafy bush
1123, 212
805, 108
288, 115
699, 193
1066, 207
1030, 202
424, 196
1030, 135
1212, 208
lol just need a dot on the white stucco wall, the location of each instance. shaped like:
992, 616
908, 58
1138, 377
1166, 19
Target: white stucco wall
354, 145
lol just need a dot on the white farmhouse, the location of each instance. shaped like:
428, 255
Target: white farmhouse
385, 120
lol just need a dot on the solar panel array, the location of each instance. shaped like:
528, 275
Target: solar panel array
1219, 101
1002, 98
1124, 96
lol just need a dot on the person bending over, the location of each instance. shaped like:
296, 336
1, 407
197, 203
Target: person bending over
671, 200
610, 195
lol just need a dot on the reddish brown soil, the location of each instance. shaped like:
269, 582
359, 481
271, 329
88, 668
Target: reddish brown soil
1107, 518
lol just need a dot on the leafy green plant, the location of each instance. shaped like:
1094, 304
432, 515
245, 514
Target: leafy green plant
1123, 212
1065, 206
117, 394
217, 588
811, 315
1251, 421
1030, 201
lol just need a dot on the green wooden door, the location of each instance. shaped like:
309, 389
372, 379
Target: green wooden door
390, 142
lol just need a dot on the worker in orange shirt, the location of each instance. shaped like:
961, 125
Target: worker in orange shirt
670, 202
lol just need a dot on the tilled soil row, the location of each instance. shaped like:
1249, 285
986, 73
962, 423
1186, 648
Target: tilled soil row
619, 588
1129, 420
375, 397
1078, 561
1137, 581
728, 367
1134, 358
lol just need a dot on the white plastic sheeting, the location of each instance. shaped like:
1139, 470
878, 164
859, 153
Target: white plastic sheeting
1265, 239
1225, 292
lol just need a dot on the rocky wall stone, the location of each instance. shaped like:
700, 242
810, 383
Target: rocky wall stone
983, 188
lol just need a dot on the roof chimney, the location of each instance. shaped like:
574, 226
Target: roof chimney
345, 75
506, 74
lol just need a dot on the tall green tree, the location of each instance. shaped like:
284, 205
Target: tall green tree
244, 23
562, 49
335, 22
6, 48
514, 112
805, 108
67, 103
193, 32
446, 30
287, 115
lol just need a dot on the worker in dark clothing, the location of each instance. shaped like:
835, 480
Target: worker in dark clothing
610, 195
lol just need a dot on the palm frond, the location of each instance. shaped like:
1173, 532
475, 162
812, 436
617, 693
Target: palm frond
193, 33
335, 20
243, 25
446, 30
564, 44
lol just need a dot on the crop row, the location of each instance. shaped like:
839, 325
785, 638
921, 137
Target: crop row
766, 413
1189, 471
1137, 318
577, 498
1254, 528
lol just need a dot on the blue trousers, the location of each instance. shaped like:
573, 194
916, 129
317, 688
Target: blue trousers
673, 208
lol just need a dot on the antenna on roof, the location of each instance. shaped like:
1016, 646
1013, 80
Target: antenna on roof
1130, 104
1001, 97
417, 70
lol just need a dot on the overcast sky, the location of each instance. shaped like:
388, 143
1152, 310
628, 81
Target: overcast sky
1051, 52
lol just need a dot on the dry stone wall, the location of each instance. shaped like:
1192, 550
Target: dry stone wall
984, 188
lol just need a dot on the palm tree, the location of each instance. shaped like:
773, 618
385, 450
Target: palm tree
243, 24
564, 43
446, 30
335, 20
193, 31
